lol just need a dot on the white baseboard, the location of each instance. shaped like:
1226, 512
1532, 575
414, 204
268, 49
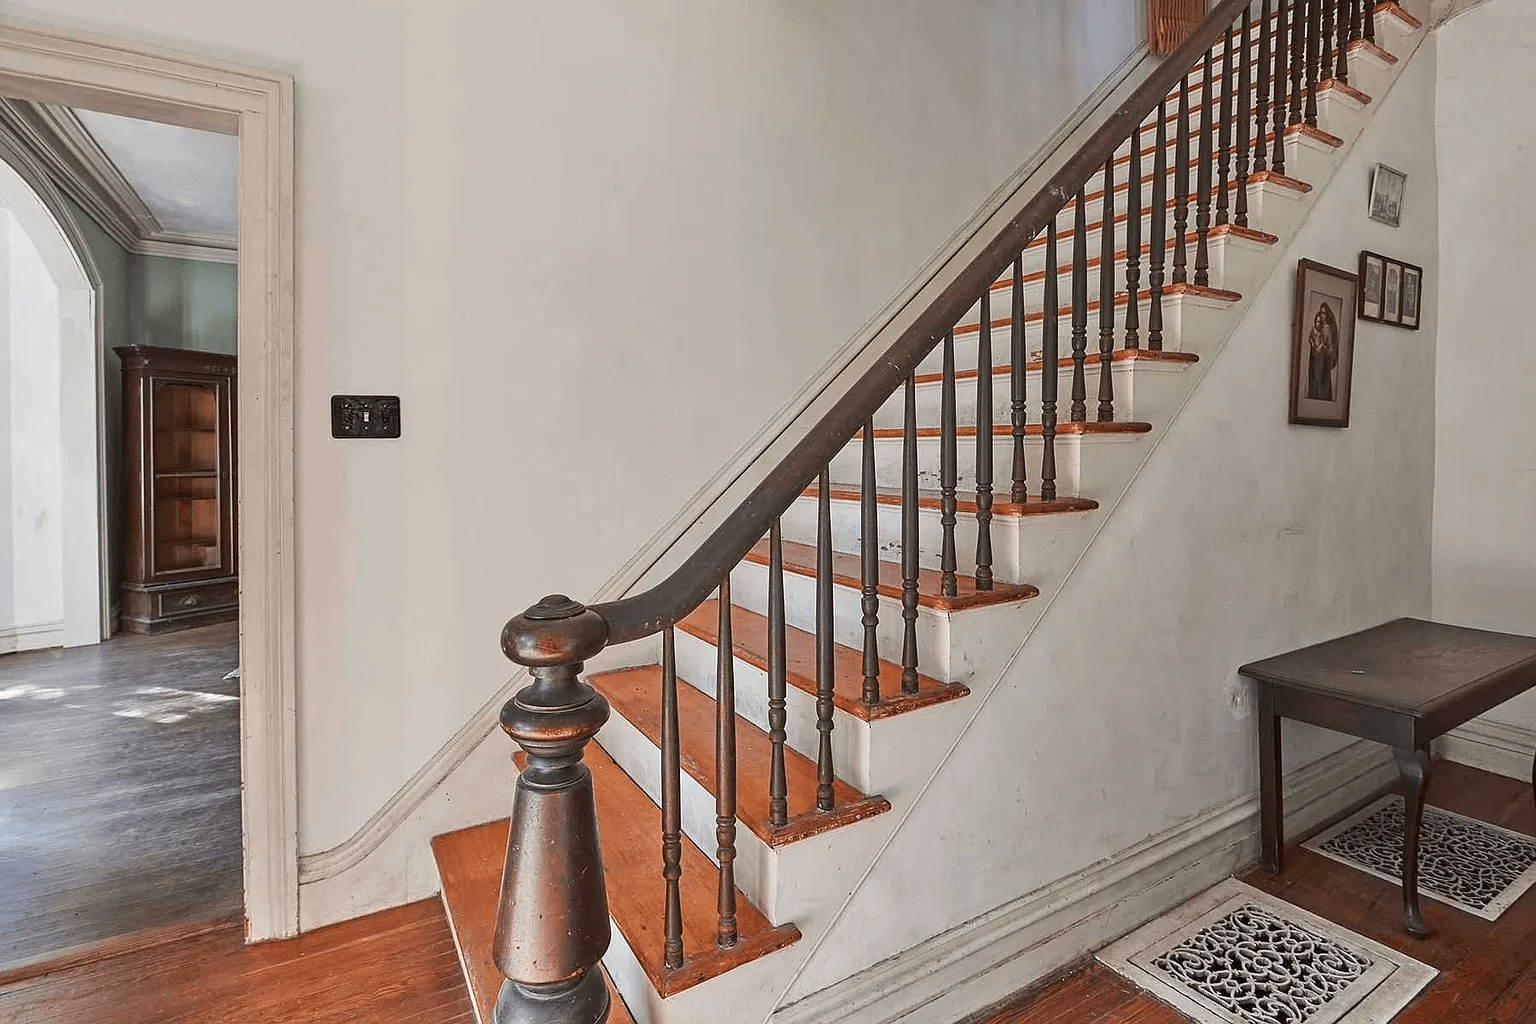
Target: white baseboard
1492, 746
987, 959
31, 636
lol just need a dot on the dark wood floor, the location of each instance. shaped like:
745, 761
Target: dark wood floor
119, 795
1488, 967
396, 967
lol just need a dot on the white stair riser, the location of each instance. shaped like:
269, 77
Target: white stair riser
850, 736
1136, 386
749, 582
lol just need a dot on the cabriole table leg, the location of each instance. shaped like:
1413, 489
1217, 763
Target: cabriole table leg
1413, 765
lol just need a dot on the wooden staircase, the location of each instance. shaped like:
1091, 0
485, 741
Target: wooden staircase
823, 672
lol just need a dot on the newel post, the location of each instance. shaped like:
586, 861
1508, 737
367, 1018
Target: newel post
552, 919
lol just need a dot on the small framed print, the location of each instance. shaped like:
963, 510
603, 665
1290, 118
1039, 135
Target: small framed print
1387, 187
1391, 291
1372, 270
1323, 344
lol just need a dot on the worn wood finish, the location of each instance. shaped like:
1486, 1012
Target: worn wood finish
1403, 683
1106, 410
1488, 968
398, 965
632, 692
121, 810
749, 632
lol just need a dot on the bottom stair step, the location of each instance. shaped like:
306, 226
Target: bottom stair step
470, 862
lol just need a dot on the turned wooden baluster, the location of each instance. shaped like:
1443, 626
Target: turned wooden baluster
1261, 102
1181, 187
984, 446
1106, 410
1314, 31
1018, 368
1341, 43
1244, 121
1159, 248
1299, 22
671, 805
778, 675
909, 540
1325, 41
1049, 370
725, 770
552, 916
1224, 131
949, 458
1281, 70
1133, 247
869, 568
1203, 179
825, 680
1079, 409
1368, 19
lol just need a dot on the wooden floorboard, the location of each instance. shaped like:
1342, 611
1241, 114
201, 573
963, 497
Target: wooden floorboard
1488, 968
119, 795
395, 967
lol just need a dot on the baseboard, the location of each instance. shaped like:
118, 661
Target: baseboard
31, 636
1492, 746
984, 960
704, 508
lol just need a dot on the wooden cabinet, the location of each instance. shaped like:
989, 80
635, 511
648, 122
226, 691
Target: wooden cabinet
179, 548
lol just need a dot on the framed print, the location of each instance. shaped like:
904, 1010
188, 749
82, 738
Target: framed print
1323, 344
1372, 270
1413, 284
1391, 292
1387, 187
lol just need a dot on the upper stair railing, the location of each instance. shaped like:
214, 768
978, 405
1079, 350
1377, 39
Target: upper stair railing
1228, 94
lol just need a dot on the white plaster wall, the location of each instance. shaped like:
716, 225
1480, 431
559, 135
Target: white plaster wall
1485, 463
1123, 716
593, 246
36, 563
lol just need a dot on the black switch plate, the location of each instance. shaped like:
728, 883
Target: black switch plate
365, 415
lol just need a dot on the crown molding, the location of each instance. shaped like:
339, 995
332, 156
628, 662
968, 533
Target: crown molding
82, 169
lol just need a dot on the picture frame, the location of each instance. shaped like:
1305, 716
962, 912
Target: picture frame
1323, 344
1391, 291
1388, 184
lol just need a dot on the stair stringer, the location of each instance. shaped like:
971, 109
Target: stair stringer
908, 876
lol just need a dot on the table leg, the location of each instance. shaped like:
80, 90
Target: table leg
1271, 812
1413, 765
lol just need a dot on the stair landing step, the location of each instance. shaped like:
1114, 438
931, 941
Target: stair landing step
469, 864
629, 831
749, 638
965, 504
847, 572
635, 693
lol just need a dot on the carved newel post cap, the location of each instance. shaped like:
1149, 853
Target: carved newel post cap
556, 631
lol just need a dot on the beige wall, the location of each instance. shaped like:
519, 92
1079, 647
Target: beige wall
593, 246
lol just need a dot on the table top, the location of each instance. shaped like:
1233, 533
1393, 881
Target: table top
1408, 665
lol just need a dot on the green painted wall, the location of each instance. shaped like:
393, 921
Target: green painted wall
182, 304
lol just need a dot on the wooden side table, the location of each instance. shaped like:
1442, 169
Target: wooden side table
1402, 683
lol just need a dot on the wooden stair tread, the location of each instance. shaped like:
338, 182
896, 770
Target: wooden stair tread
1004, 284
1035, 316
1030, 429
1121, 355
629, 830
635, 693
469, 865
846, 571
1065, 234
749, 637
965, 504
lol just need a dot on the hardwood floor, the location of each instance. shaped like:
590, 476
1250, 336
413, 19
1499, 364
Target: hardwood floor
395, 967
1488, 968
119, 795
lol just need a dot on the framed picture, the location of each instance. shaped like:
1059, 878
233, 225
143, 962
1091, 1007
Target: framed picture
1323, 344
1387, 186
1391, 291
1372, 269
